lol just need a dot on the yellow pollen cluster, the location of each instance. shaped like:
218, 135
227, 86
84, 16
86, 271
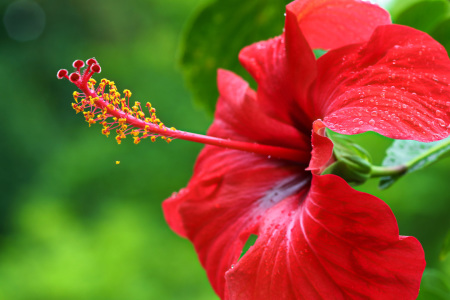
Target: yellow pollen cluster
113, 111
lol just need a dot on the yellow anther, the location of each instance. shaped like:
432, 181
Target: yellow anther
106, 131
75, 96
122, 121
96, 112
117, 162
127, 93
92, 100
77, 108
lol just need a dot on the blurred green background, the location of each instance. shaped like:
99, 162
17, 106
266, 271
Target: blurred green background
73, 224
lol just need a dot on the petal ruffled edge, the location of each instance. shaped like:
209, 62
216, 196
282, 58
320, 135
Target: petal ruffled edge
284, 68
215, 213
330, 24
396, 84
337, 243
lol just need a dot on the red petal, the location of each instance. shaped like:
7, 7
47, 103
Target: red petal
283, 67
322, 153
329, 24
240, 115
397, 85
224, 201
337, 243
230, 190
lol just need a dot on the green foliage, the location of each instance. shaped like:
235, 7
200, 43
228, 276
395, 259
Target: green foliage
435, 286
217, 34
442, 33
249, 243
431, 16
73, 225
445, 247
414, 155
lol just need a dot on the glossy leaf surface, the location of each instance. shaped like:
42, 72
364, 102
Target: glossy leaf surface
216, 35
411, 153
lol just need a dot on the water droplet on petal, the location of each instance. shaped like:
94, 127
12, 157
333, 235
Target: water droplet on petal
441, 122
374, 113
372, 122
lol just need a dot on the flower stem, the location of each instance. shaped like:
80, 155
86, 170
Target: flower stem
432, 151
379, 171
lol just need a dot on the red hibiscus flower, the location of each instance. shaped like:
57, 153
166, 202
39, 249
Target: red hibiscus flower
317, 237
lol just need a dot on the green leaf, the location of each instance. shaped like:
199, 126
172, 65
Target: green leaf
430, 16
445, 248
435, 285
414, 155
216, 35
422, 15
442, 33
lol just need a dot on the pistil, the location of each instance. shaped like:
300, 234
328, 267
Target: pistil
99, 106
